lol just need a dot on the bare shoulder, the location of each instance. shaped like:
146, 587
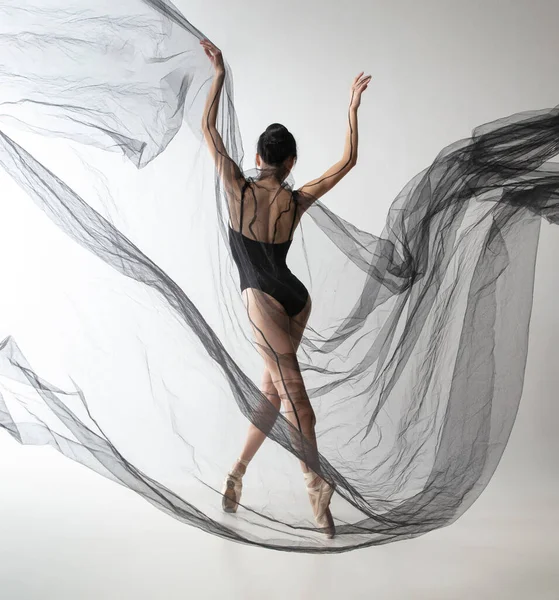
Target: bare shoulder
315, 189
236, 191
304, 199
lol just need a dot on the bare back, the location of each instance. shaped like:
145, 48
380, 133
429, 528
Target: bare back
270, 211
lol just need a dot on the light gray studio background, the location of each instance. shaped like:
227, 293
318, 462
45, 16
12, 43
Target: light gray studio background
439, 69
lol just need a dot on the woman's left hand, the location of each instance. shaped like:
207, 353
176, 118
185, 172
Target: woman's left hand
214, 54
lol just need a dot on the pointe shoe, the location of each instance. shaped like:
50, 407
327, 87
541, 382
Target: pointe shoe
320, 495
232, 488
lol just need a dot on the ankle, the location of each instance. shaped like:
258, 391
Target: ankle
312, 480
240, 467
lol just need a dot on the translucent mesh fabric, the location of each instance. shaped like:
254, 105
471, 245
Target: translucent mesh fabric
127, 345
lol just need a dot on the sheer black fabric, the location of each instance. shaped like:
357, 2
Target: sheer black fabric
127, 343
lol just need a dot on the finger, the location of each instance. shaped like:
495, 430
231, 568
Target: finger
212, 46
358, 77
208, 44
356, 85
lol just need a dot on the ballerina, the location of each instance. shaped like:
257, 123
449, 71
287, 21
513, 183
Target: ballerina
278, 304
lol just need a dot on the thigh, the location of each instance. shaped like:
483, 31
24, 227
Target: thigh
298, 323
268, 388
270, 327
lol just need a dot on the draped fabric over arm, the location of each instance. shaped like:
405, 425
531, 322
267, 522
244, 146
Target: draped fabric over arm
126, 345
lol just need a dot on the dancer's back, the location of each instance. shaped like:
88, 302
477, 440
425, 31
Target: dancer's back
270, 212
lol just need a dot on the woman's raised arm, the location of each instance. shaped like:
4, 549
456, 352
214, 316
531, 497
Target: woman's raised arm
318, 187
229, 172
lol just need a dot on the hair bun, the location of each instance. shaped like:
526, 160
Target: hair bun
276, 133
276, 144
276, 128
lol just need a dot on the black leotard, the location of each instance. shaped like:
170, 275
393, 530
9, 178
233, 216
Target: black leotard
266, 269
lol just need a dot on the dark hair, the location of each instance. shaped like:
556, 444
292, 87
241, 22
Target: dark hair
276, 145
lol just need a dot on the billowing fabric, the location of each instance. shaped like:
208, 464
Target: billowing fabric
126, 342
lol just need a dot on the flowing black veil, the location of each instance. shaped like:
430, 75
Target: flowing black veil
126, 345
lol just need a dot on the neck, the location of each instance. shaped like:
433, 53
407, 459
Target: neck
275, 174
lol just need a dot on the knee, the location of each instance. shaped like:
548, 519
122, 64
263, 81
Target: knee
271, 393
301, 407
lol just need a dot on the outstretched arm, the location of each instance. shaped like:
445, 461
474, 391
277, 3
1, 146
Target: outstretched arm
318, 187
228, 170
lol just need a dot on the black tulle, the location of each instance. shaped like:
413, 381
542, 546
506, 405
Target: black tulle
128, 347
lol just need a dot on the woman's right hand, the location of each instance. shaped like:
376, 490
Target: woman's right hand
214, 54
358, 86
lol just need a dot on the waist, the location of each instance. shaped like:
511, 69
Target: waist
259, 255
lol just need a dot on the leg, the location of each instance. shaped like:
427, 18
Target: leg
297, 325
264, 312
320, 492
255, 437
277, 338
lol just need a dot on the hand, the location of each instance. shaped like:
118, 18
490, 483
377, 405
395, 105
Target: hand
214, 54
358, 86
